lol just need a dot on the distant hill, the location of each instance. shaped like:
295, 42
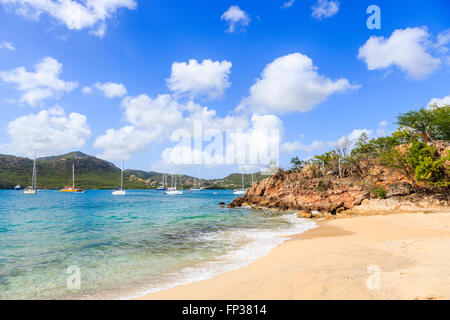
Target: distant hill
93, 173
56, 172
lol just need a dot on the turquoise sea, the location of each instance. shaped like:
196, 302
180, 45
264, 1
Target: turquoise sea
127, 246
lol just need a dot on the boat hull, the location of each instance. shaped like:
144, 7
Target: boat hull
72, 191
29, 191
173, 192
118, 192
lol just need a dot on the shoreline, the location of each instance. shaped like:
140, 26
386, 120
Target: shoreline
236, 259
336, 261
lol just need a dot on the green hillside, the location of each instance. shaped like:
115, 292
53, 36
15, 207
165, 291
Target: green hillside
56, 172
92, 173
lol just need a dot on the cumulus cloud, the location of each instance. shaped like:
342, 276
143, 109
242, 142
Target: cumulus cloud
321, 146
207, 78
440, 102
157, 115
288, 4
86, 90
406, 49
7, 45
355, 134
295, 146
41, 84
292, 83
75, 15
443, 39
155, 119
236, 18
49, 132
256, 145
381, 130
121, 144
325, 9
109, 89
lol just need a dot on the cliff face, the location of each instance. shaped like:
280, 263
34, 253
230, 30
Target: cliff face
330, 195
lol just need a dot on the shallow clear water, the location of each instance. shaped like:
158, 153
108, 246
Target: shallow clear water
126, 246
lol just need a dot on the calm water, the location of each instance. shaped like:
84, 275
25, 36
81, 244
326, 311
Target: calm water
126, 246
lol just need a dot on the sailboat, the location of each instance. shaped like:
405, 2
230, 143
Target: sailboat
120, 191
32, 189
173, 190
163, 184
72, 187
242, 190
198, 187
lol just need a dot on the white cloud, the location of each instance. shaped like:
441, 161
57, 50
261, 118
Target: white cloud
294, 146
319, 145
383, 124
75, 15
49, 131
325, 9
355, 134
288, 4
111, 90
154, 120
256, 145
207, 78
41, 84
381, 130
440, 102
7, 45
121, 144
352, 137
443, 39
292, 83
86, 90
236, 18
157, 116
406, 49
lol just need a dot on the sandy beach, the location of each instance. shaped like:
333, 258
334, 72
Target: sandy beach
402, 256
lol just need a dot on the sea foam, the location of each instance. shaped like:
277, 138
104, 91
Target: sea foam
255, 243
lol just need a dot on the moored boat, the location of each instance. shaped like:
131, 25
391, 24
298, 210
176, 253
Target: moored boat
72, 188
120, 191
173, 190
241, 190
32, 189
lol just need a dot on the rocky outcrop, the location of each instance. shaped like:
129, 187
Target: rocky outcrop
297, 191
328, 196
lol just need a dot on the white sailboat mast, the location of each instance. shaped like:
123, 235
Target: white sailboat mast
73, 175
121, 176
33, 179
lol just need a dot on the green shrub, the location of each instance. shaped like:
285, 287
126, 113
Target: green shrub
380, 192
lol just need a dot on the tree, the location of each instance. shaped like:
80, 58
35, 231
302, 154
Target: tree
420, 162
342, 148
429, 124
426, 164
297, 164
363, 147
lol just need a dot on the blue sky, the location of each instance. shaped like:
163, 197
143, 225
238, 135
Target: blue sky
323, 77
